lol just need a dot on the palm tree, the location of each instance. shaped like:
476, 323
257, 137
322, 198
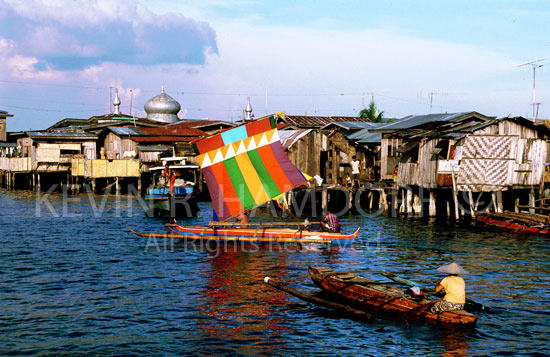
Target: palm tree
371, 113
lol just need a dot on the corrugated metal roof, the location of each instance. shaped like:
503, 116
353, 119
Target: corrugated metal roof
370, 138
410, 121
305, 121
123, 131
163, 139
175, 131
349, 125
60, 134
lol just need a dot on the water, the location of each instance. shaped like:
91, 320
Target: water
75, 281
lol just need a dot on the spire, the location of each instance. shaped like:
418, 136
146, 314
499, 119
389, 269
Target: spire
248, 116
116, 103
162, 89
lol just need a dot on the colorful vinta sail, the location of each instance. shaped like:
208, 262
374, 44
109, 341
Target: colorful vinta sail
245, 167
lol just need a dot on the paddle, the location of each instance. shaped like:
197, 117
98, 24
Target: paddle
317, 300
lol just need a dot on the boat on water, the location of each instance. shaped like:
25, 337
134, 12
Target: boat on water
514, 222
384, 299
244, 168
177, 198
260, 233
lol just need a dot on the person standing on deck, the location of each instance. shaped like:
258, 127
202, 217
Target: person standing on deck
355, 171
169, 177
455, 289
331, 223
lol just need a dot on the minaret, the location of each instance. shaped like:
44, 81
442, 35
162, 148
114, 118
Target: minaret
248, 116
116, 103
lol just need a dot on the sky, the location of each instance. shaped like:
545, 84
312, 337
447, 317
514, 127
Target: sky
66, 58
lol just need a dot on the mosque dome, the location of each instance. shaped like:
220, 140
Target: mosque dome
162, 108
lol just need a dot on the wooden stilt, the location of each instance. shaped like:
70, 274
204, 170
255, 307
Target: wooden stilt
324, 200
471, 202
532, 200
499, 201
409, 205
431, 207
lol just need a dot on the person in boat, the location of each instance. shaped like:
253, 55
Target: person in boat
455, 289
169, 177
242, 218
331, 223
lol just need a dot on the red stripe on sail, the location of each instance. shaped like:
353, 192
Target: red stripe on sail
275, 170
259, 126
218, 204
225, 186
210, 144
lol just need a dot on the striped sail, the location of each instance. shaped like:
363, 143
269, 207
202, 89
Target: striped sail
245, 167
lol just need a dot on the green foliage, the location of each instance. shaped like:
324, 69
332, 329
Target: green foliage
372, 113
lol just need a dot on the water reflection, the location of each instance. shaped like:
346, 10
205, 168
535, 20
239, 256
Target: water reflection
237, 304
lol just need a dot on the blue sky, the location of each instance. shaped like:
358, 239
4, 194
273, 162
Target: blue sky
63, 58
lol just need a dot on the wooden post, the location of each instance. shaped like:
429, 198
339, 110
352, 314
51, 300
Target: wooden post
499, 201
383, 199
494, 197
369, 196
431, 209
471, 202
139, 185
117, 186
532, 200
455, 193
324, 200
409, 202
516, 205
38, 182
93, 185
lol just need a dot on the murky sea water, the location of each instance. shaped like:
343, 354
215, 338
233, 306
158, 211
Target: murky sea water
75, 281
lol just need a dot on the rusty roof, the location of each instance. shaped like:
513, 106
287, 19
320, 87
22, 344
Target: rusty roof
306, 121
175, 131
163, 139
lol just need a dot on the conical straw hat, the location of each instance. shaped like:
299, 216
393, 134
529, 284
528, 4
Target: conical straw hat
452, 268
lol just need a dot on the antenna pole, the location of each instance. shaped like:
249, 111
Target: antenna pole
535, 64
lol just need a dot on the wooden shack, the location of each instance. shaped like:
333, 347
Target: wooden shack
391, 146
469, 156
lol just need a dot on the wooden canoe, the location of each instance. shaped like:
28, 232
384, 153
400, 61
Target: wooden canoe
265, 234
519, 223
383, 299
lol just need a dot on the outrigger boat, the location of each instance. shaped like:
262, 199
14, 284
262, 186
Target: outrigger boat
519, 223
384, 299
244, 168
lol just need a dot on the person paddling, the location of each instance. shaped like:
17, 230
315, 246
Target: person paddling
242, 218
455, 289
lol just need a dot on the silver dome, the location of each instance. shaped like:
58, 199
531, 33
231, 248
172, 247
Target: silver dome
162, 108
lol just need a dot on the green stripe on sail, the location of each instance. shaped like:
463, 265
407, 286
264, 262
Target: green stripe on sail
267, 181
239, 184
